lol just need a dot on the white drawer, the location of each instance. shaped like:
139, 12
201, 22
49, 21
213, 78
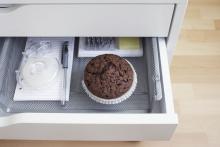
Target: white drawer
149, 20
69, 124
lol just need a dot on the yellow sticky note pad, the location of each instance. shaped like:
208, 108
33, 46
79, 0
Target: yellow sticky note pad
128, 43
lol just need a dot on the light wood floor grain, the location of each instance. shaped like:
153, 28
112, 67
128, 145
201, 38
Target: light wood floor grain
196, 85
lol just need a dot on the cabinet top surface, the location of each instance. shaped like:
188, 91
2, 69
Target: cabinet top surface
89, 1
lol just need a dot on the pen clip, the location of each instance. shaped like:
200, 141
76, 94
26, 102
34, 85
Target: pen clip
64, 58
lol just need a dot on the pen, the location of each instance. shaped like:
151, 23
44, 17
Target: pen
64, 61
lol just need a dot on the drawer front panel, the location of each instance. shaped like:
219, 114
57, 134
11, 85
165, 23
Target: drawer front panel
86, 20
102, 127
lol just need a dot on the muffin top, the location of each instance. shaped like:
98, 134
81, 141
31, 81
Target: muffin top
108, 76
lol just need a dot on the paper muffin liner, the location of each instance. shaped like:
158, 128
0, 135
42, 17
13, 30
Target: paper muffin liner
114, 100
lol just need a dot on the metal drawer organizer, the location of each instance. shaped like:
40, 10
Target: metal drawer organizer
142, 101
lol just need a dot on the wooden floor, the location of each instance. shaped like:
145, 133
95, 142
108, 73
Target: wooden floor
196, 85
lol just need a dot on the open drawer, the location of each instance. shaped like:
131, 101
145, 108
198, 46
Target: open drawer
140, 117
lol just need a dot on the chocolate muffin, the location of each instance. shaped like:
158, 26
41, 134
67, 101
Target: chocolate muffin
108, 76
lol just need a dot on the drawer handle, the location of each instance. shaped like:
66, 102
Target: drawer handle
6, 8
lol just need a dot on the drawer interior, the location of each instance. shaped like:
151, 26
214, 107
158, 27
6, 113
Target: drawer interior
142, 101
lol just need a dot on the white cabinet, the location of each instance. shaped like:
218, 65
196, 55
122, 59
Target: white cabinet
139, 118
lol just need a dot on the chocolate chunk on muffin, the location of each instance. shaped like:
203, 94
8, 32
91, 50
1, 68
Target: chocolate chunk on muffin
109, 76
